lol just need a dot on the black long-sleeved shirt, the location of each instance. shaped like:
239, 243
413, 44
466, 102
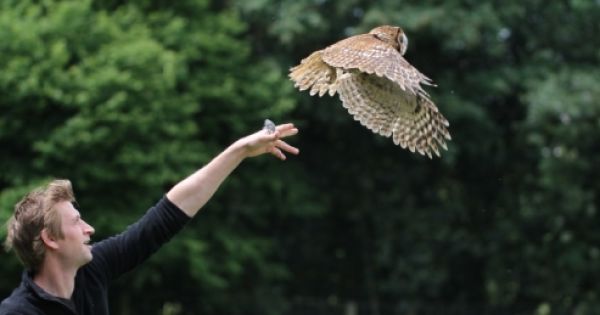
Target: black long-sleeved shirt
111, 258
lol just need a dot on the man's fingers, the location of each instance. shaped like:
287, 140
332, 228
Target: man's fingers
270, 136
277, 153
286, 130
286, 147
285, 126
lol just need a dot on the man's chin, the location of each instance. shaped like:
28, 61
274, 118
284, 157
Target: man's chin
87, 260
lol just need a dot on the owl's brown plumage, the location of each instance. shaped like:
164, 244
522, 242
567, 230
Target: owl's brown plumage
378, 87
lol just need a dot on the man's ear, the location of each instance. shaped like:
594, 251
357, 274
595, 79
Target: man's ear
48, 239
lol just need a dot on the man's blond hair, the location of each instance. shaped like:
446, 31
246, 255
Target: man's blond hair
32, 214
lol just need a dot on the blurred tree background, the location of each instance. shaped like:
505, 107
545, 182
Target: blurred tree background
127, 97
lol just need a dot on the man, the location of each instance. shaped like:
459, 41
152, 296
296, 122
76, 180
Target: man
65, 275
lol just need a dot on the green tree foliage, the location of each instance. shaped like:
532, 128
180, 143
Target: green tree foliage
504, 222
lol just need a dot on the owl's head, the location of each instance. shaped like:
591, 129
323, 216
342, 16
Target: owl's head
392, 35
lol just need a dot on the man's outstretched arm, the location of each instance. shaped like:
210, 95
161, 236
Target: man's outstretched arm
119, 254
193, 193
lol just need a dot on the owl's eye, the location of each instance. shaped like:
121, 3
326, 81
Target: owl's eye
402, 39
402, 43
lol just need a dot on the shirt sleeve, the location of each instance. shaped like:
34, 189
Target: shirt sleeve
121, 253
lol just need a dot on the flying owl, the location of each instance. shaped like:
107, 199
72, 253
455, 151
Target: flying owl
378, 87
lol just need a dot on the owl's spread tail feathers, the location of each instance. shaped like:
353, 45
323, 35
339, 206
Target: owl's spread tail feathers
315, 74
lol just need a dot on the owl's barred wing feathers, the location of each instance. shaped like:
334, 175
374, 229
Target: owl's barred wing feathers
370, 55
315, 74
378, 87
413, 121
363, 104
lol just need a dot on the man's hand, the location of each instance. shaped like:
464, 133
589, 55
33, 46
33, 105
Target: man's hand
262, 142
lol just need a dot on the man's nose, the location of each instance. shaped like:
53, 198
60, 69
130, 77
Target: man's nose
89, 229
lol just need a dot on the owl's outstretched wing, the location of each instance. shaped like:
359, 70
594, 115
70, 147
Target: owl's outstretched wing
370, 55
315, 74
382, 106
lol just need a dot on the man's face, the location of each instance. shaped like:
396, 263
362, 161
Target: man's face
74, 248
